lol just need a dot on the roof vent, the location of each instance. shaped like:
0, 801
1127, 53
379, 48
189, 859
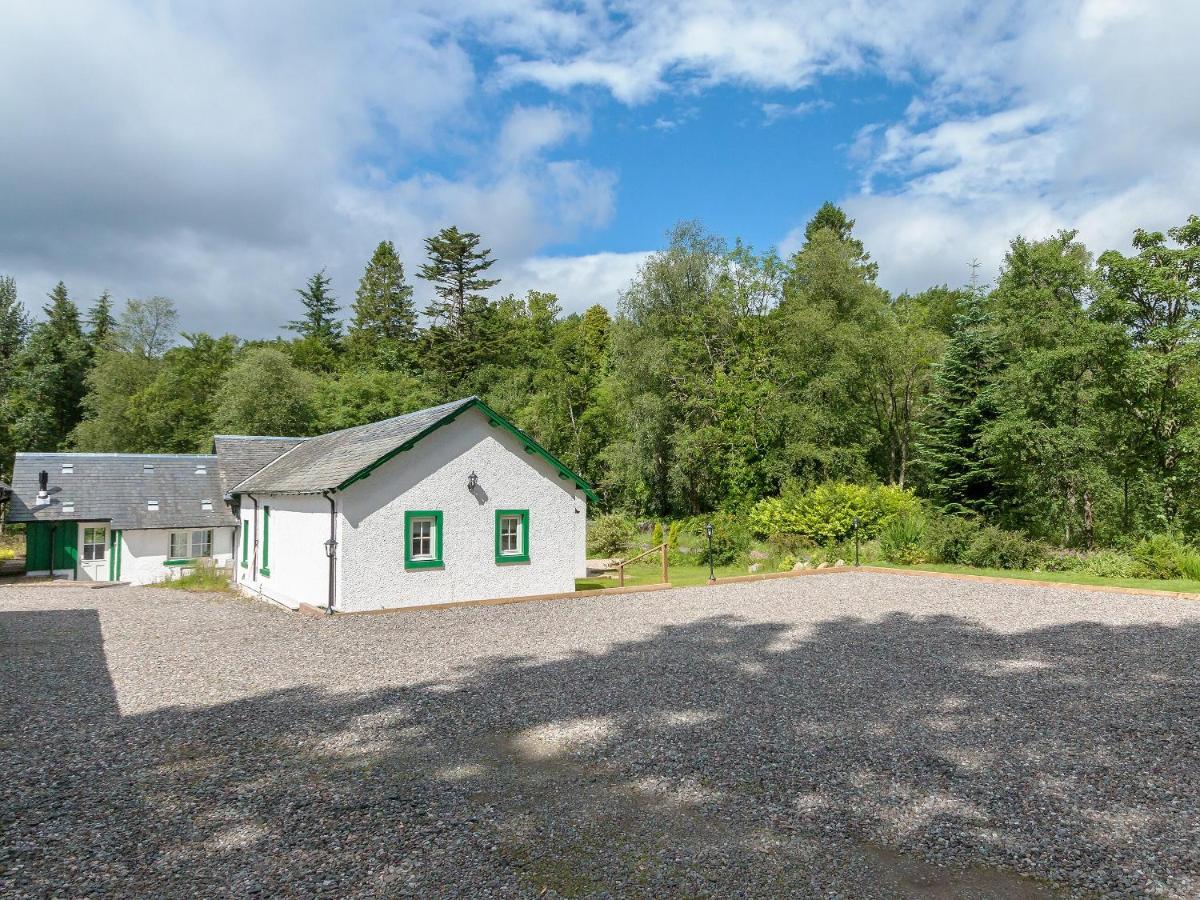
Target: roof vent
152, 506
206, 505
201, 469
68, 468
68, 506
147, 468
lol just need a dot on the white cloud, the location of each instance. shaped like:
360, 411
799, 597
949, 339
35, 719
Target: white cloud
774, 112
579, 281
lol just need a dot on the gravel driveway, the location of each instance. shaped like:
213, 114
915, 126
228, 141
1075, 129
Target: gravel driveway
852, 735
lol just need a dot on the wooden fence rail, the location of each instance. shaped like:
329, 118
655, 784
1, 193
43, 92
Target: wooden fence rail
661, 549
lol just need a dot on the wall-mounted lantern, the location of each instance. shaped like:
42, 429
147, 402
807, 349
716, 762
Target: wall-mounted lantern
331, 548
472, 482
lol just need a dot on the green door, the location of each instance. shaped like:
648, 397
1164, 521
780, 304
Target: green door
66, 547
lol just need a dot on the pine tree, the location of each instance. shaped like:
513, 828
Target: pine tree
49, 384
320, 322
833, 218
960, 476
455, 268
14, 324
384, 327
102, 324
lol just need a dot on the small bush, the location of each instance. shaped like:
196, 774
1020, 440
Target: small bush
731, 539
203, 578
673, 535
1064, 561
656, 534
826, 513
947, 538
1159, 556
1113, 564
901, 539
1189, 563
995, 548
609, 536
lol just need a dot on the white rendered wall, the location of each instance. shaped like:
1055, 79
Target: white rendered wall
299, 569
144, 550
433, 476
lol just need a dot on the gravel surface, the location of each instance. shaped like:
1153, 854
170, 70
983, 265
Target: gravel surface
841, 735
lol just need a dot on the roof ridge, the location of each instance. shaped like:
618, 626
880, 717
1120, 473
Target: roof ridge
29, 453
263, 437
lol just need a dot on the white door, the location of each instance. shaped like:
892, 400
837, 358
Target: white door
93, 552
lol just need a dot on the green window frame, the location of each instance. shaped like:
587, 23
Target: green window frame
245, 544
516, 551
265, 568
431, 538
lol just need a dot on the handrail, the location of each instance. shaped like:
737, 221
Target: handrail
661, 549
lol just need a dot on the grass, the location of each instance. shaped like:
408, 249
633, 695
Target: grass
685, 575
1182, 585
205, 579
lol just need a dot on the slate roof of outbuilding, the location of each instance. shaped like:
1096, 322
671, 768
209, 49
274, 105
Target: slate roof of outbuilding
324, 462
240, 455
116, 487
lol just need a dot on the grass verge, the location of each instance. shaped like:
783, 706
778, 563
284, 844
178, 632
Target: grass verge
201, 580
1182, 585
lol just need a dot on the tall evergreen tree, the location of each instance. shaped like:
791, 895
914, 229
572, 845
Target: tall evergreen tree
14, 327
456, 270
49, 387
384, 327
960, 476
102, 324
833, 219
319, 322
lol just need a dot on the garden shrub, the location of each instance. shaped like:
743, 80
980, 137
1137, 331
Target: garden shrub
1159, 556
947, 537
731, 539
825, 514
1113, 564
610, 535
673, 535
996, 548
1064, 561
901, 538
656, 534
1189, 563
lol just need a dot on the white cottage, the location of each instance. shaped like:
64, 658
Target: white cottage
446, 504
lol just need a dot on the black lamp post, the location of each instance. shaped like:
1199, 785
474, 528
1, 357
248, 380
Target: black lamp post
712, 575
856, 541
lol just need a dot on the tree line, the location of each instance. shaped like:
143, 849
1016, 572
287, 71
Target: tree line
1062, 401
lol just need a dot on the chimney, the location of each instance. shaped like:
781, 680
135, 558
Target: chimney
43, 494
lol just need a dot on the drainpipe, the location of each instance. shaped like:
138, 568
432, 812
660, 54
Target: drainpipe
331, 551
254, 557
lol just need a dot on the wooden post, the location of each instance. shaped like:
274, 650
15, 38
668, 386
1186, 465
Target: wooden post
663, 551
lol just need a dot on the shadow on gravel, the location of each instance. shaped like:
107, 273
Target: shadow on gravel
714, 758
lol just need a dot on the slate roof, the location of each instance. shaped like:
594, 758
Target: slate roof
324, 462
240, 455
116, 487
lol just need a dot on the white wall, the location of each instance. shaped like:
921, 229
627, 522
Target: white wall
433, 476
299, 569
144, 550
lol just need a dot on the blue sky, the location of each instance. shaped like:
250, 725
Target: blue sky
219, 153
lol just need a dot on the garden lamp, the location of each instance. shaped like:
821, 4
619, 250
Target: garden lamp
856, 541
712, 575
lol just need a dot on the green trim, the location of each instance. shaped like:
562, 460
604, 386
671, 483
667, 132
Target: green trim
523, 556
436, 562
494, 419
245, 545
265, 569
120, 533
180, 562
112, 552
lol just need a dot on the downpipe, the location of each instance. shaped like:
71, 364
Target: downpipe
331, 551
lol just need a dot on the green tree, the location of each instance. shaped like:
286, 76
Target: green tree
111, 423
147, 326
456, 270
102, 324
960, 476
319, 323
49, 381
175, 413
264, 393
832, 219
1154, 297
384, 327
14, 327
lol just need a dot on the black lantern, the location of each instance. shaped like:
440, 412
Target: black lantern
712, 575
472, 482
856, 540
331, 548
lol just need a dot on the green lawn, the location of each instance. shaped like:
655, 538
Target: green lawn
686, 575
1183, 585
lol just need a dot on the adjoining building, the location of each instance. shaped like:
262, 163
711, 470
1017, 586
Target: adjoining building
440, 505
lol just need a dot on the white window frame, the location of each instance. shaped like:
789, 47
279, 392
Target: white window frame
187, 540
428, 538
90, 531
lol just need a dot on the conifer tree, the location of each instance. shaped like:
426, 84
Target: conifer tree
319, 322
384, 327
102, 324
960, 476
455, 268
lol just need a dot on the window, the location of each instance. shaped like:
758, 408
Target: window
68, 468
265, 568
512, 535
190, 544
93, 543
422, 539
206, 505
201, 469
68, 507
152, 506
245, 543
147, 468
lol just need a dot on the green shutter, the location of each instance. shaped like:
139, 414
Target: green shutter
245, 544
265, 568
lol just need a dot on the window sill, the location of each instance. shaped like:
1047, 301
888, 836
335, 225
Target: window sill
182, 562
509, 560
265, 571
423, 564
